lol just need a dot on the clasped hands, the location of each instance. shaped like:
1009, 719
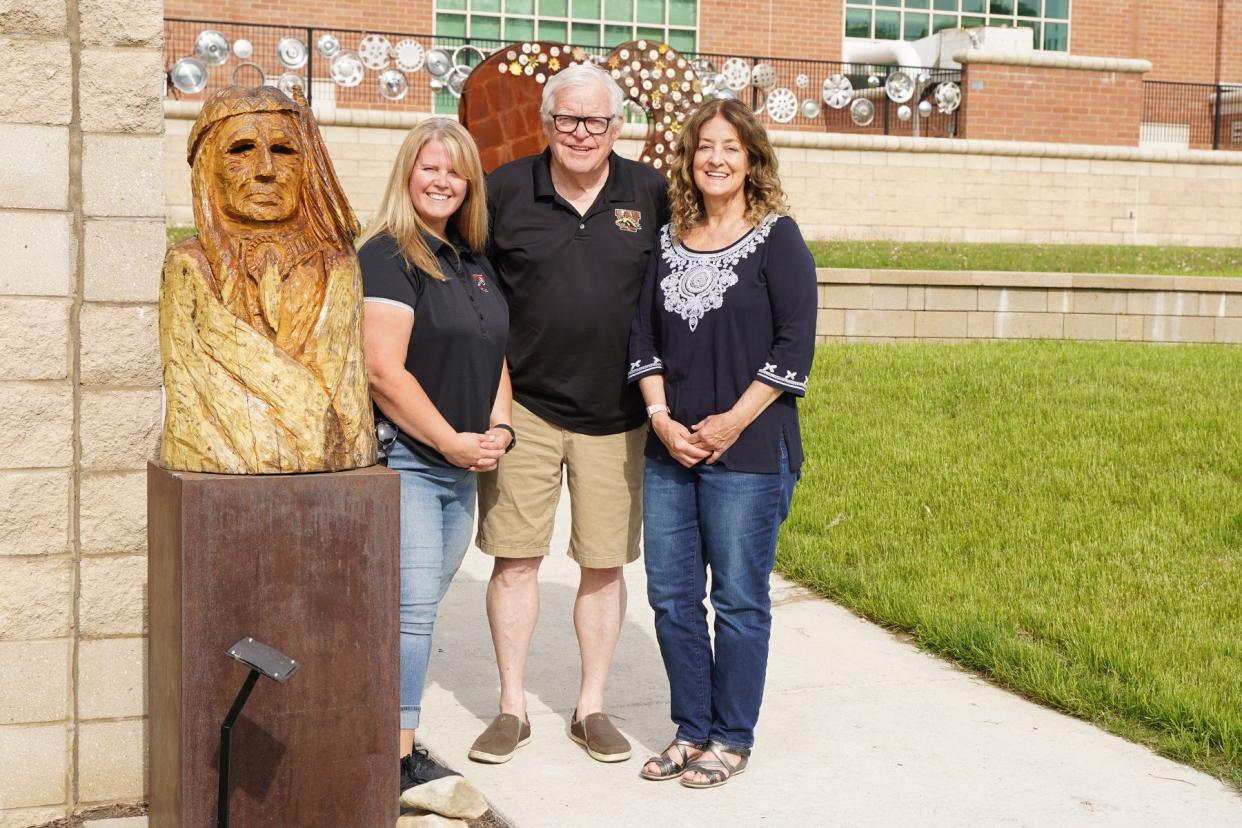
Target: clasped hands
477, 452
702, 442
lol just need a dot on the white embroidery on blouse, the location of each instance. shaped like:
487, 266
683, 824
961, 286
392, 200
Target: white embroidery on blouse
638, 368
789, 380
696, 282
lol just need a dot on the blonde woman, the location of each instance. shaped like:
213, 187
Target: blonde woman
434, 329
721, 347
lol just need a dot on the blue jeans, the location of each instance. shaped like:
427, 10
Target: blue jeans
696, 519
437, 514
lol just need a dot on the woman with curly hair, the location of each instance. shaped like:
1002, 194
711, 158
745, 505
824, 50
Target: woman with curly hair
721, 348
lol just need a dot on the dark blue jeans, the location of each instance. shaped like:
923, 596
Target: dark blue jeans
696, 519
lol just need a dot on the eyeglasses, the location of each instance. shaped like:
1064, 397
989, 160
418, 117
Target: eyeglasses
595, 124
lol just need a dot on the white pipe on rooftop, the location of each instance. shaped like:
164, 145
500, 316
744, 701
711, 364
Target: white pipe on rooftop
881, 52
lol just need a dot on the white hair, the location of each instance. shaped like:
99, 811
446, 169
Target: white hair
578, 76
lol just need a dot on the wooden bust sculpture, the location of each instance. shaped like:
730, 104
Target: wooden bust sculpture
261, 315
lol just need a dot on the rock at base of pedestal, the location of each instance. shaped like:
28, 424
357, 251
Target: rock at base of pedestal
452, 796
424, 819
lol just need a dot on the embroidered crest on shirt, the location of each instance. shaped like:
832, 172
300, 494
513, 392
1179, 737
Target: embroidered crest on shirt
480, 282
631, 221
696, 282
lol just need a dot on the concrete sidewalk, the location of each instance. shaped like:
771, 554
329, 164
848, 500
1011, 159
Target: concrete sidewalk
858, 729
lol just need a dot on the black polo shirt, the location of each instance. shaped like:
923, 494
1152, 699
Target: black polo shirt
572, 282
457, 348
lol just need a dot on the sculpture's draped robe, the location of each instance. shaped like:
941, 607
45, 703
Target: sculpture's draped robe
238, 402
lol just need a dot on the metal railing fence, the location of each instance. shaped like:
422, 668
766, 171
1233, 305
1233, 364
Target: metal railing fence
1192, 115
803, 77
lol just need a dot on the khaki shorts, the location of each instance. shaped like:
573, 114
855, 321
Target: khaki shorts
517, 502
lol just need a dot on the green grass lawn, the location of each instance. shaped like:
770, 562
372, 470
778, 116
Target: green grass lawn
179, 233
1064, 518
1045, 258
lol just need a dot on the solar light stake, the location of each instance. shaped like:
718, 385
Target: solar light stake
262, 660
222, 805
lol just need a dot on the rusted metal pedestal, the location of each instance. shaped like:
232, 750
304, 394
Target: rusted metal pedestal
307, 564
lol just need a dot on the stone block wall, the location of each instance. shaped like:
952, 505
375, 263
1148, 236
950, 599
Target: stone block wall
941, 306
904, 189
81, 239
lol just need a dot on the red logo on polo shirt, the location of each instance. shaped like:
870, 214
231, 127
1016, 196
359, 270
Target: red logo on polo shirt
480, 282
631, 221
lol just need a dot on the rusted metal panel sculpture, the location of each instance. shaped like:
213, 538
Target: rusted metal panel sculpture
261, 314
500, 98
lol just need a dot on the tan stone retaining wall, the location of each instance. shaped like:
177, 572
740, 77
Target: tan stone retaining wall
874, 187
909, 305
81, 240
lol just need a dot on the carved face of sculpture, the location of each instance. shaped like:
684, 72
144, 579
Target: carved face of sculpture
260, 166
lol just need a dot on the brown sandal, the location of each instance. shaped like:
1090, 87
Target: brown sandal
717, 770
671, 768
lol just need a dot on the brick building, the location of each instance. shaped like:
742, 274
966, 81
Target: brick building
1185, 40
1172, 90
1060, 85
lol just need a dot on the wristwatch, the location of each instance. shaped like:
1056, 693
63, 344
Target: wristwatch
512, 435
655, 409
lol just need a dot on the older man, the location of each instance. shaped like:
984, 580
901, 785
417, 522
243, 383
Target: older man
572, 230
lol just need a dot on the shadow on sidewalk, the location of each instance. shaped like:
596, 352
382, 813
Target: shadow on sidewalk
463, 662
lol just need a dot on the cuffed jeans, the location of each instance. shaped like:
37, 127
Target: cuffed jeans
710, 517
437, 514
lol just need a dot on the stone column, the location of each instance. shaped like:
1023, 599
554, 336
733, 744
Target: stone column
81, 239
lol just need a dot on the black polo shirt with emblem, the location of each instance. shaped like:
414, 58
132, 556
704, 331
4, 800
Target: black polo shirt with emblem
572, 282
457, 348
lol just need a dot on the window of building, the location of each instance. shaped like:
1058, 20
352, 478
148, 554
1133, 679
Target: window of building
913, 19
603, 23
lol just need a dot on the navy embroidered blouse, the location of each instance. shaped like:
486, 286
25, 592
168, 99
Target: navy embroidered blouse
712, 322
